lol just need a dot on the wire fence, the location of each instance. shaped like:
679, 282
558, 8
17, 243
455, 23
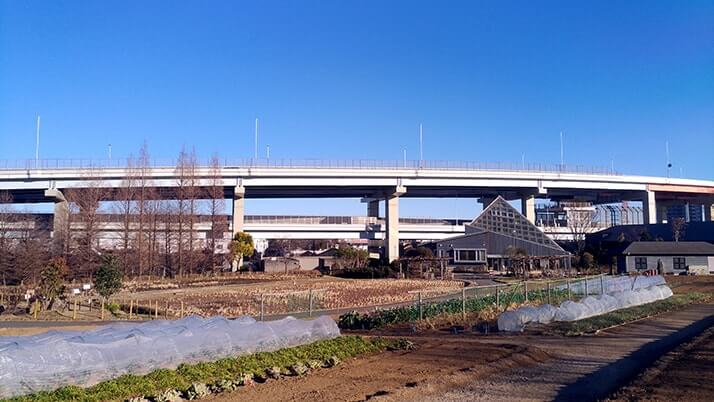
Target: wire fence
312, 302
122, 163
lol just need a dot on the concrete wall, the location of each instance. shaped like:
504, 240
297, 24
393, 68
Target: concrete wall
280, 264
668, 262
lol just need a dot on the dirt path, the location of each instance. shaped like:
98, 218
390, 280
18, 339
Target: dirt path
589, 367
685, 374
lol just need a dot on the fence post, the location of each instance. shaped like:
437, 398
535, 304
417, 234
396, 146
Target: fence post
156, 312
525, 290
498, 298
420, 308
131, 309
463, 303
262, 307
567, 283
74, 310
181, 308
166, 310
602, 284
102, 313
548, 287
586, 287
37, 308
310, 301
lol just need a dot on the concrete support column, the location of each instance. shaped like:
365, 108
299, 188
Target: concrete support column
661, 213
708, 213
60, 220
238, 209
373, 209
528, 208
391, 236
238, 216
373, 245
649, 208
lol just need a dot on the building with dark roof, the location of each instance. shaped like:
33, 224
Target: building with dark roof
493, 238
669, 257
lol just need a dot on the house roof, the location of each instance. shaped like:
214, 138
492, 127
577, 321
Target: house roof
670, 248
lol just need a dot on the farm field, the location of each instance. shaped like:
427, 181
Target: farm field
288, 295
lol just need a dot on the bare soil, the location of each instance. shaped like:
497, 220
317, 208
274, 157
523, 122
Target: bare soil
694, 283
435, 366
20, 331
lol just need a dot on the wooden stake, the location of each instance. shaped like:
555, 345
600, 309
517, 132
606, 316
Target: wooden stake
102, 314
181, 308
131, 309
74, 310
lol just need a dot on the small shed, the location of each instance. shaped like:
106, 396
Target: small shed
673, 257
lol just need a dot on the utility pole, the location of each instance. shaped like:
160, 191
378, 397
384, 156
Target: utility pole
255, 154
562, 158
421, 145
669, 162
37, 142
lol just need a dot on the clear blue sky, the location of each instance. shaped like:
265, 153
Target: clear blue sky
490, 81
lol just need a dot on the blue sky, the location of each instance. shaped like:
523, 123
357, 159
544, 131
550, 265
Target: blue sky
490, 81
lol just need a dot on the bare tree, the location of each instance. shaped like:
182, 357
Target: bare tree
186, 195
32, 250
217, 204
678, 227
8, 220
582, 220
142, 200
84, 203
126, 196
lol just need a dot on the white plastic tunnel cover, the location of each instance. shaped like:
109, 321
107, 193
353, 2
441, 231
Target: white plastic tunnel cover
54, 359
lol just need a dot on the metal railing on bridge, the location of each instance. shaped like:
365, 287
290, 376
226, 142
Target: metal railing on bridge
121, 163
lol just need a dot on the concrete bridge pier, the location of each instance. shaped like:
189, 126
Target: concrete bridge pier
528, 208
649, 207
238, 215
60, 219
391, 238
373, 245
238, 218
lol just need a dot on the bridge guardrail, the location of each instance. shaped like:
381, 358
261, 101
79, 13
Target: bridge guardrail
120, 163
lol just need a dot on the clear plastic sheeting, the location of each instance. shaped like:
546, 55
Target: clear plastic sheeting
57, 358
613, 284
588, 307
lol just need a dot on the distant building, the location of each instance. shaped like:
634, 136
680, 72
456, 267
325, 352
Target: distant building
495, 235
688, 212
671, 257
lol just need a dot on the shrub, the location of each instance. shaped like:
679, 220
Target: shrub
108, 278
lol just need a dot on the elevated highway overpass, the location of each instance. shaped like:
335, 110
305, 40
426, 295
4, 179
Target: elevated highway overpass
372, 181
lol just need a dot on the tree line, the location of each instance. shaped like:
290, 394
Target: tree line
154, 234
